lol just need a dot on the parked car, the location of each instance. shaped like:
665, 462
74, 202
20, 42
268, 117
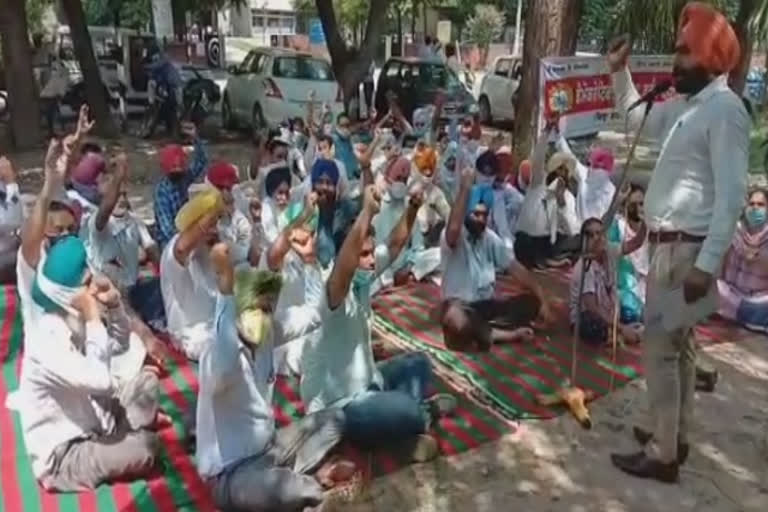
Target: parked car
272, 85
416, 83
496, 97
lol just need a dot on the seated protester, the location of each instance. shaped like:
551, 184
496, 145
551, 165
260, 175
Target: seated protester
472, 255
186, 278
448, 176
595, 188
325, 178
597, 303
276, 158
432, 216
322, 148
743, 286
343, 148
278, 187
507, 201
81, 426
113, 239
293, 256
382, 403
247, 462
172, 191
11, 217
548, 210
234, 228
393, 185
633, 267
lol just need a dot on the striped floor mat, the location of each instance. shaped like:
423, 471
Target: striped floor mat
179, 488
510, 376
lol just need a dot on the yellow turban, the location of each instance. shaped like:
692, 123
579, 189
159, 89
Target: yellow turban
197, 207
559, 159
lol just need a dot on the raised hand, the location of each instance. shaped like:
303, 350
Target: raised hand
84, 124
468, 176
310, 201
618, 53
105, 292
85, 303
120, 161
416, 197
371, 200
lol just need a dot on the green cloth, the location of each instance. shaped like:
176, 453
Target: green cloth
65, 265
250, 284
295, 210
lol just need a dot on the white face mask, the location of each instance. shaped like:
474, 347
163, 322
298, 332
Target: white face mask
398, 190
482, 179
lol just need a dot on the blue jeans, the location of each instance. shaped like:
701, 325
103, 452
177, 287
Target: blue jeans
378, 416
146, 299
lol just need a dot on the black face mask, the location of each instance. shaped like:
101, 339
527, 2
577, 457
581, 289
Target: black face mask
176, 177
690, 81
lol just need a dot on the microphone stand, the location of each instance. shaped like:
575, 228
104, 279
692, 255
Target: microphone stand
568, 393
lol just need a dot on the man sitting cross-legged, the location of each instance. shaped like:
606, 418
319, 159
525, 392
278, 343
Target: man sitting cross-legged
249, 464
472, 254
382, 403
186, 277
82, 427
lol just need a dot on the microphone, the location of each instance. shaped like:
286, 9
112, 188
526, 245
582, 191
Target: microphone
659, 89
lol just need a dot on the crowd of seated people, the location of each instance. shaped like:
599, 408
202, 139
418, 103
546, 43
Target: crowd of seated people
275, 272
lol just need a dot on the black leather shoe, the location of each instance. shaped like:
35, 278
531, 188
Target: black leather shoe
644, 437
638, 464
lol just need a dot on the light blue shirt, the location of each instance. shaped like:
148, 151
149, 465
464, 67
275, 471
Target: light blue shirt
469, 269
115, 249
339, 363
234, 405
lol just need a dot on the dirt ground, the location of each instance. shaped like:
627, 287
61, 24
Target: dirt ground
555, 465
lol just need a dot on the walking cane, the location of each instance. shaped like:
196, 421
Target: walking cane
569, 394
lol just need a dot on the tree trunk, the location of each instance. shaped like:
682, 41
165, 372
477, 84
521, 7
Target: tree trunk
738, 77
351, 64
95, 90
414, 11
22, 94
547, 33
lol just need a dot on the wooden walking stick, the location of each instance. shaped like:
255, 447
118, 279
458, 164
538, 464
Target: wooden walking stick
569, 394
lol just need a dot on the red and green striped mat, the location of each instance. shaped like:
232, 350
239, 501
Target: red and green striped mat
511, 376
180, 488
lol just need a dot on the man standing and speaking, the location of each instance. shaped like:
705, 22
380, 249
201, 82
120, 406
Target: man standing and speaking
694, 199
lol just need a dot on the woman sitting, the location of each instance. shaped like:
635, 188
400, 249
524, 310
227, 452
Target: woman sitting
593, 300
744, 286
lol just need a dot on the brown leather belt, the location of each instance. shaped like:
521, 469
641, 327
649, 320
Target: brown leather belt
668, 237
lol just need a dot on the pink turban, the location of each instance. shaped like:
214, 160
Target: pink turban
173, 158
88, 169
709, 37
601, 158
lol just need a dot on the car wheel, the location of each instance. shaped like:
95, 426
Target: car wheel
227, 121
258, 123
485, 110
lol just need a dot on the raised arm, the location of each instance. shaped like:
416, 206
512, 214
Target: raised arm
459, 209
112, 194
33, 232
348, 258
199, 161
538, 160
282, 244
191, 238
221, 361
401, 233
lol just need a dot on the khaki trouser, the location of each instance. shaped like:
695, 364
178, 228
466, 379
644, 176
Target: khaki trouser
670, 353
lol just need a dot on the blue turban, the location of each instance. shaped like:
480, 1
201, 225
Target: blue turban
324, 167
487, 159
480, 194
65, 265
275, 178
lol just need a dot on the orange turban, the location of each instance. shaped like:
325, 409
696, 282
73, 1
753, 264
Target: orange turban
709, 36
425, 160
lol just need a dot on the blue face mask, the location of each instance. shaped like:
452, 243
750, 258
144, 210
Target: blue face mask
756, 217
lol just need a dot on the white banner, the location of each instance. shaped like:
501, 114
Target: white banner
579, 88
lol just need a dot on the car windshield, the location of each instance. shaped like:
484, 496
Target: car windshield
302, 68
437, 76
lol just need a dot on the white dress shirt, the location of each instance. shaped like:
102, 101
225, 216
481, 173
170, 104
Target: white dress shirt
234, 404
699, 183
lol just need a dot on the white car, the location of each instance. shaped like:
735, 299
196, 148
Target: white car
272, 85
498, 88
